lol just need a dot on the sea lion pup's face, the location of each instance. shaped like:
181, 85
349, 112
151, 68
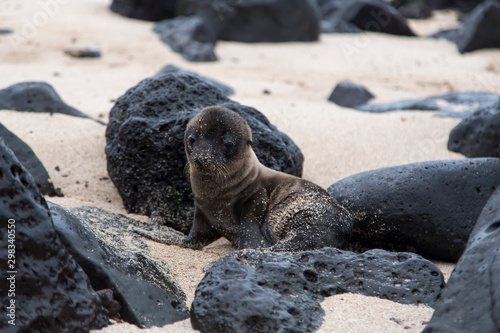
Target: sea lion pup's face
217, 141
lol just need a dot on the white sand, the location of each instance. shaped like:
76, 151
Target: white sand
336, 142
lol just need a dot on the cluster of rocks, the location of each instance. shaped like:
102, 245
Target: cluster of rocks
192, 28
477, 135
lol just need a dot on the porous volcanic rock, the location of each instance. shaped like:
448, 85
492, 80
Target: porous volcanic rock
145, 144
471, 300
114, 258
349, 94
356, 15
255, 291
428, 207
42, 288
478, 135
36, 97
30, 161
149, 10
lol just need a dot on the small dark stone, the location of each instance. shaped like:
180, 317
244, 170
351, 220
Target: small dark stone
479, 134
113, 258
481, 29
350, 94
254, 291
5, 31
36, 97
187, 36
52, 293
228, 91
449, 34
471, 300
83, 53
353, 16
149, 10
455, 105
416, 9
428, 206
30, 161
145, 144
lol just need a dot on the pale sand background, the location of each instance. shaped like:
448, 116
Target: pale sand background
336, 142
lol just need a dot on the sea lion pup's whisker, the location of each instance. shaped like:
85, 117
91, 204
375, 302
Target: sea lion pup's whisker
253, 206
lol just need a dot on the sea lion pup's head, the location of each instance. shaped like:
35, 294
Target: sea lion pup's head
217, 141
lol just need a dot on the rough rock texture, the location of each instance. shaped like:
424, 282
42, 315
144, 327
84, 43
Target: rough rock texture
481, 29
455, 105
186, 35
254, 291
478, 135
228, 91
30, 161
150, 10
36, 97
350, 94
429, 207
471, 300
145, 144
254, 21
417, 9
355, 15
52, 293
113, 258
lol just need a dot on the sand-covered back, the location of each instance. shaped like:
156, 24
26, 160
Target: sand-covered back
335, 141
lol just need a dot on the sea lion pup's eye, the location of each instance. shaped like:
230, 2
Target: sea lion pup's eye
191, 140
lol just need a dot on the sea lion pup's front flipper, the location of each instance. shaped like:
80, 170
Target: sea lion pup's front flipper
201, 234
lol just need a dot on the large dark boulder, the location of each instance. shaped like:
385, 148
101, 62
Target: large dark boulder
456, 105
481, 29
149, 10
416, 9
145, 144
30, 161
428, 207
354, 16
42, 289
254, 21
36, 97
115, 259
471, 300
479, 134
254, 291
349, 94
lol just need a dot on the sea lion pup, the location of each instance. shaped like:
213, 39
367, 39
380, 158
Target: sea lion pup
251, 205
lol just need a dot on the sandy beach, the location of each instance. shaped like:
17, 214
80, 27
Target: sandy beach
336, 142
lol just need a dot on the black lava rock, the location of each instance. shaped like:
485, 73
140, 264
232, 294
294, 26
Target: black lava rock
149, 10
254, 21
228, 91
113, 258
83, 53
187, 36
254, 291
455, 105
30, 161
36, 97
42, 289
350, 94
471, 300
478, 135
429, 207
416, 9
145, 144
353, 16
481, 29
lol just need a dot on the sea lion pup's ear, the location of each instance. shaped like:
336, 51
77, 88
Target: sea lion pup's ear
250, 142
